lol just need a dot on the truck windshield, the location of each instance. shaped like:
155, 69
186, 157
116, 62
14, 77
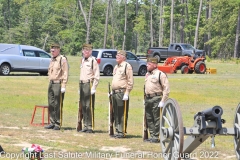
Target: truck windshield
188, 47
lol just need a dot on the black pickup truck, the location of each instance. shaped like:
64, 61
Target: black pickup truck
174, 49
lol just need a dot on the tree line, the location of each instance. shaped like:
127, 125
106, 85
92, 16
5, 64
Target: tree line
135, 25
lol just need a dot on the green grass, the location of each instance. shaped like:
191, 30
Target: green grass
193, 92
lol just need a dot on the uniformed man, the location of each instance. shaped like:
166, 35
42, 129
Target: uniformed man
122, 84
156, 93
89, 78
58, 77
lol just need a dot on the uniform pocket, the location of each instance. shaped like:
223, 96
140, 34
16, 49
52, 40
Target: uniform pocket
154, 80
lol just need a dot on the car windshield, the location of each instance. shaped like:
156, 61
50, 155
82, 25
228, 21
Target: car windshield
95, 53
130, 56
188, 47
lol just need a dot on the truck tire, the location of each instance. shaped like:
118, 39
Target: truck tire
200, 67
142, 71
158, 58
5, 69
108, 70
184, 69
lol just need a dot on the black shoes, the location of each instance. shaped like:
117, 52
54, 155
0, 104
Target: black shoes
113, 136
50, 126
154, 141
84, 130
87, 130
56, 128
147, 140
119, 136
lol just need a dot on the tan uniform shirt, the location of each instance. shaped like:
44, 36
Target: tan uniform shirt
122, 79
89, 70
57, 71
152, 84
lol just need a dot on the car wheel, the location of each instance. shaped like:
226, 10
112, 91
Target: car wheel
200, 67
108, 70
184, 69
142, 71
158, 58
5, 69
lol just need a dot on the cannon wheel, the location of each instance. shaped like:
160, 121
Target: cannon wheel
237, 131
171, 130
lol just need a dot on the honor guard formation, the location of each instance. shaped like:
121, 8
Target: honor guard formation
156, 92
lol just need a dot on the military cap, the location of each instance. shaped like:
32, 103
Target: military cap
55, 45
153, 60
87, 46
122, 52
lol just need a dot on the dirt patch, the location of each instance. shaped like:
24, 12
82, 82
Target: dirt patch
115, 149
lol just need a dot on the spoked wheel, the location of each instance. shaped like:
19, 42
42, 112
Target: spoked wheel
237, 131
171, 130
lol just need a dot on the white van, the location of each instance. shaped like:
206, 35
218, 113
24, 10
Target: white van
23, 58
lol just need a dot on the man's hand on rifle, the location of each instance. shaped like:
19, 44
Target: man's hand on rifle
160, 105
93, 91
63, 90
125, 97
109, 94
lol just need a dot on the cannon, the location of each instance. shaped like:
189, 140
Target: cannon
207, 123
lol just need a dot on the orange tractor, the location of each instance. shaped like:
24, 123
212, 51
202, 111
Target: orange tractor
184, 63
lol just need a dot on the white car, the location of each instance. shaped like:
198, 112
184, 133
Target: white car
23, 58
106, 59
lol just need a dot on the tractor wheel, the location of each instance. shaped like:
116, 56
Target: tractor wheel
200, 67
184, 69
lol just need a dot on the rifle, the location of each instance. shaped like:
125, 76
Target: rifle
145, 125
80, 115
111, 117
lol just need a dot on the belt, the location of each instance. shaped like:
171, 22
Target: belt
118, 90
84, 81
153, 95
55, 81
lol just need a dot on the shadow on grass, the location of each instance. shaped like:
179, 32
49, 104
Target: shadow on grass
133, 136
128, 136
95, 131
68, 128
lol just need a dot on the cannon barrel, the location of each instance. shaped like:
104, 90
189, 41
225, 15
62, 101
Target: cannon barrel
211, 113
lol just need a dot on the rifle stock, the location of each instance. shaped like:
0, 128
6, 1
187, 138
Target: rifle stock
111, 117
80, 117
145, 125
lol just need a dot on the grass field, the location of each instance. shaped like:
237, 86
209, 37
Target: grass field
20, 92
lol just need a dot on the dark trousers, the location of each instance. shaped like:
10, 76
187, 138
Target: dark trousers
120, 113
87, 101
153, 115
55, 103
